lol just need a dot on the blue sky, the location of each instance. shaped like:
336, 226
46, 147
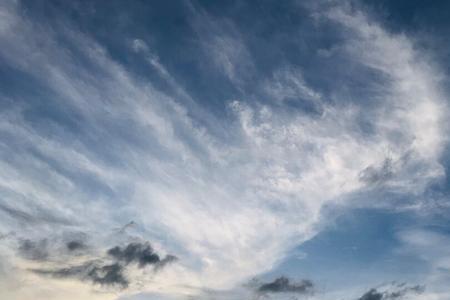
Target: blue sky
224, 150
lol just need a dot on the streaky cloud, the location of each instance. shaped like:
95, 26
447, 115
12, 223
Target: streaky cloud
103, 274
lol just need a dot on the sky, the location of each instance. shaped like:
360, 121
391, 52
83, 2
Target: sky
224, 150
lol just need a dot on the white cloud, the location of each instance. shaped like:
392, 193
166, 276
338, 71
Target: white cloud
223, 46
289, 84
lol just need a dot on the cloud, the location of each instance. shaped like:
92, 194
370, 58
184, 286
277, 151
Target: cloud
396, 291
75, 245
373, 174
287, 86
34, 250
107, 274
168, 259
15, 213
284, 285
223, 44
38, 215
139, 45
105, 270
142, 254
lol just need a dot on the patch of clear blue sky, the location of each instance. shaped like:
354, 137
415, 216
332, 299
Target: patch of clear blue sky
361, 246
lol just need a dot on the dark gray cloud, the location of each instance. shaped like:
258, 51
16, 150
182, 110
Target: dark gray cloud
398, 292
142, 254
284, 285
105, 275
34, 250
75, 245
372, 294
109, 275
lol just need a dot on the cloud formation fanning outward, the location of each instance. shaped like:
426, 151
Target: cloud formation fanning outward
91, 143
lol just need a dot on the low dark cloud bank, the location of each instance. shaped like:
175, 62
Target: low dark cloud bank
399, 291
284, 285
142, 254
106, 271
